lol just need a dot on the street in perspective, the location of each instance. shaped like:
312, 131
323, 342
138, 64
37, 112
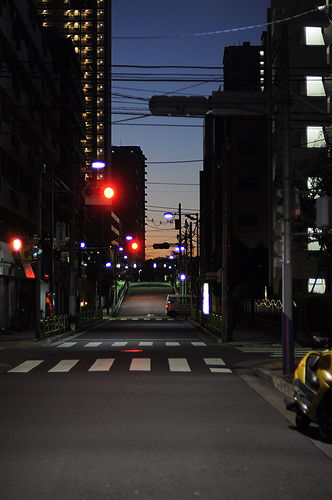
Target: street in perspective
147, 406
165, 250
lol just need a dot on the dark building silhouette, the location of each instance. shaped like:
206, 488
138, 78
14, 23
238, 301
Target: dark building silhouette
128, 178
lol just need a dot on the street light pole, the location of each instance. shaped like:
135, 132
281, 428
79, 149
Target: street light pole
287, 285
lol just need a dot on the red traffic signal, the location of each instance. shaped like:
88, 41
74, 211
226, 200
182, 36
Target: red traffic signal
134, 246
16, 244
98, 194
108, 192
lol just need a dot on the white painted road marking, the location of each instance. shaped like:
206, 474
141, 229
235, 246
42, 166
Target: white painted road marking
119, 344
198, 343
64, 366
67, 344
214, 361
178, 365
101, 365
140, 364
170, 344
26, 366
145, 344
93, 344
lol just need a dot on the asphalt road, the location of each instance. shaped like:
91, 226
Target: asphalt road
150, 409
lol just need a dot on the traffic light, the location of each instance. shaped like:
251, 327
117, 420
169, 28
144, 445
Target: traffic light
161, 245
35, 249
98, 194
134, 246
16, 244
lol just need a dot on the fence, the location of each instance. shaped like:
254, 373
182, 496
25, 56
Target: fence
62, 323
212, 322
56, 324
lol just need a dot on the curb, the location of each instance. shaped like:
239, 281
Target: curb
278, 382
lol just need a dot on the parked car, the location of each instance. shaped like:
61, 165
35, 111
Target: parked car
178, 305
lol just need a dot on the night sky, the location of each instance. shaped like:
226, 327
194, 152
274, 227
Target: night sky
171, 139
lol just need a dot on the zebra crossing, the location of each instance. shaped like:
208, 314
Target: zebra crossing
273, 351
135, 364
121, 343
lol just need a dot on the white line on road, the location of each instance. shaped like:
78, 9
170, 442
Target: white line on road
170, 344
141, 364
26, 366
220, 370
93, 344
64, 366
119, 344
101, 365
198, 343
145, 344
67, 344
178, 365
214, 361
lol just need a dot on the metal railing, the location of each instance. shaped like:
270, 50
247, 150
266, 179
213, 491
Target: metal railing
87, 316
212, 322
55, 324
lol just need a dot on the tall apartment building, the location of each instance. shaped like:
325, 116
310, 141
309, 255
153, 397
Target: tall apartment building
299, 58
88, 24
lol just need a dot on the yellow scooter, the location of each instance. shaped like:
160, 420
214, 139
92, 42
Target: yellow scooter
312, 399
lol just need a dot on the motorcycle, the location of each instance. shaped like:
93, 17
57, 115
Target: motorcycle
312, 399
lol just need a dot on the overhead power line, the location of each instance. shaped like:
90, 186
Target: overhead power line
227, 30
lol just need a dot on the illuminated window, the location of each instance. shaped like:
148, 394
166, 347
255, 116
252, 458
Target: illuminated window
312, 184
316, 285
313, 244
313, 35
315, 137
314, 86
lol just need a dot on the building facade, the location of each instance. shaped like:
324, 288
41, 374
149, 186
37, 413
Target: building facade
128, 174
40, 158
88, 25
299, 68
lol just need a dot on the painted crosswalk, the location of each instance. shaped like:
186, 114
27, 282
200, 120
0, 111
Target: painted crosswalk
272, 351
135, 364
132, 344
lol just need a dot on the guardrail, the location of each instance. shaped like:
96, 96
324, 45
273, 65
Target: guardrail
87, 316
55, 324
62, 323
212, 322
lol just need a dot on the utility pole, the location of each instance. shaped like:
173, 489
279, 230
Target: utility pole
287, 282
38, 262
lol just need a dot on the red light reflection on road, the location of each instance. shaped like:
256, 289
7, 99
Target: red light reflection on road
131, 350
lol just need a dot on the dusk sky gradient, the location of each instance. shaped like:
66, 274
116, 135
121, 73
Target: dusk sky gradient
171, 139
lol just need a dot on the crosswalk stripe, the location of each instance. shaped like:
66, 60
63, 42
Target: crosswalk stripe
101, 365
219, 370
64, 366
119, 344
67, 344
198, 343
92, 344
26, 366
171, 344
178, 365
214, 361
145, 344
140, 364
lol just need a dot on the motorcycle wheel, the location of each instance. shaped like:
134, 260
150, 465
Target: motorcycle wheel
302, 422
325, 422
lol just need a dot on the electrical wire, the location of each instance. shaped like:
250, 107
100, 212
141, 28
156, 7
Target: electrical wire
227, 30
